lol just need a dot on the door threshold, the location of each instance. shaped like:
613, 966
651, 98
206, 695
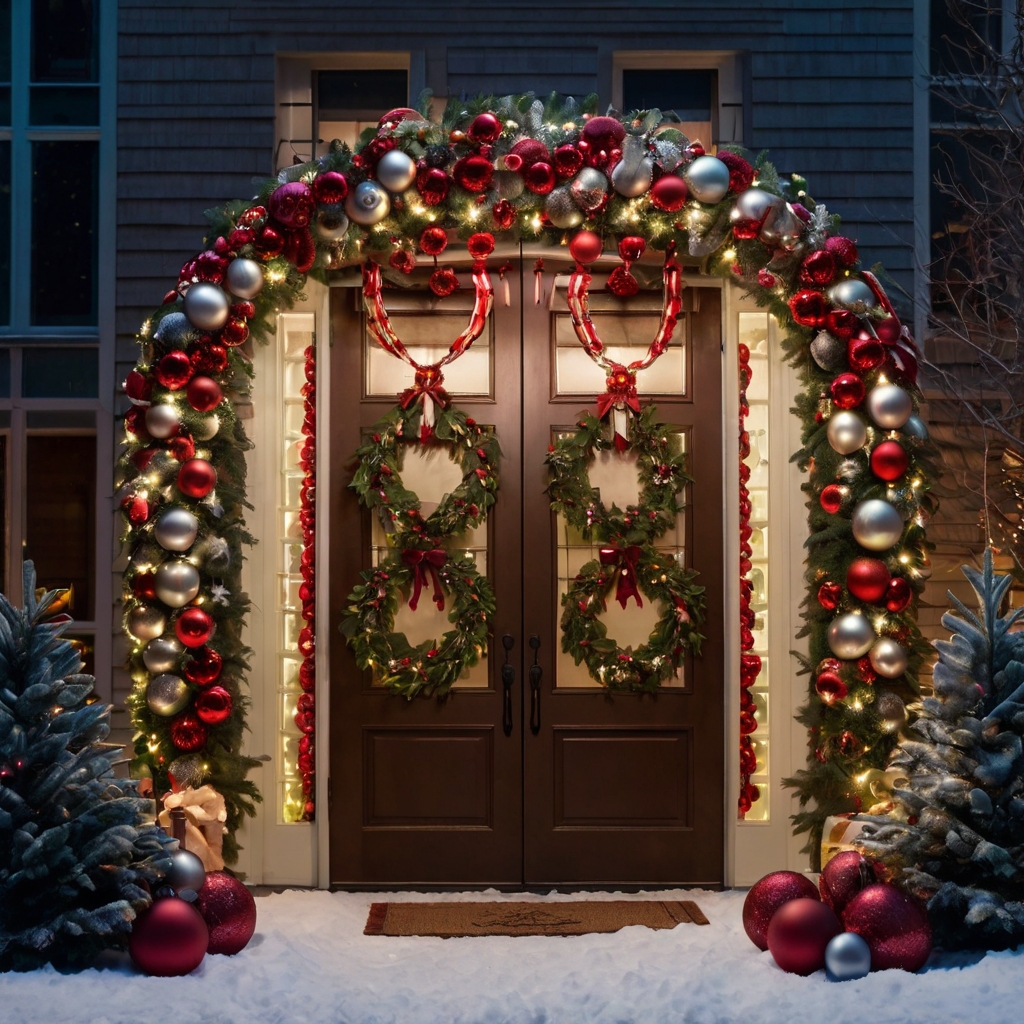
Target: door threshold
538, 889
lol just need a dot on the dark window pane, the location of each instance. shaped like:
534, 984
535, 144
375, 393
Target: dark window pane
65, 41
64, 211
957, 29
60, 373
64, 105
360, 95
5, 105
686, 91
60, 525
5, 373
5, 42
5, 232
3, 513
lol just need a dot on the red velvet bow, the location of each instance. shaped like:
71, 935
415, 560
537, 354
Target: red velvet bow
620, 395
427, 387
421, 563
624, 559
893, 333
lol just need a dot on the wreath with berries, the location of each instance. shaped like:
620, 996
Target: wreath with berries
432, 667
662, 476
378, 477
633, 570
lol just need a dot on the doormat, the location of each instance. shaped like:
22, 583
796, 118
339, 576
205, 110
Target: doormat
578, 917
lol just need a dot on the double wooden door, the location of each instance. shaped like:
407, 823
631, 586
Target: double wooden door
558, 783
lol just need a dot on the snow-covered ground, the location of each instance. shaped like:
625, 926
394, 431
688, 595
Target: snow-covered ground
309, 963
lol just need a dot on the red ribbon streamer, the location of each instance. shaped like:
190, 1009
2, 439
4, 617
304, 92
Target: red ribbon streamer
905, 348
624, 559
422, 563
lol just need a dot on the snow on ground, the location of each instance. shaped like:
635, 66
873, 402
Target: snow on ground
309, 963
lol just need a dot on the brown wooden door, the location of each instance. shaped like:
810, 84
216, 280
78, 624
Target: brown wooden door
609, 789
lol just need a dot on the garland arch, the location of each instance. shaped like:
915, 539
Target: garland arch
518, 168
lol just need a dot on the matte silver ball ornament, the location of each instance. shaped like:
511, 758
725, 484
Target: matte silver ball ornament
166, 695
245, 278
176, 583
891, 711
331, 225
888, 658
205, 427
396, 171
889, 406
176, 530
853, 294
846, 432
850, 636
754, 205
847, 957
561, 209
367, 204
187, 873
634, 172
916, 428
707, 179
162, 655
876, 525
145, 623
162, 420
589, 188
174, 330
206, 306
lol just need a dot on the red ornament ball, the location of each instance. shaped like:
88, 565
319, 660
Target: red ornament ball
330, 188
889, 460
174, 370
843, 323
209, 358
829, 596
898, 594
480, 245
204, 394
196, 478
213, 705
144, 585
484, 127
169, 940
504, 214
844, 876
843, 249
893, 924
799, 932
585, 246
229, 910
865, 353
830, 687
540, 177
292, 204
847, 391
397, 116
236, 331
766, 896
631, 248
194, 627
831, 498
204, 667
434, 241
473, 173
818, 268
567, 161
138, 388
868, 579
402, 260
527, 152
809, 308
188, 733
136, 508
443, 282
741, 174
669, 193
432, 184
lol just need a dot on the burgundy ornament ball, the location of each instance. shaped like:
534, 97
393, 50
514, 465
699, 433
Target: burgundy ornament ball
204, 667
847, 391
188, 733
868, 579
292, 204
798, 934
809, 308
845, 875
194, 627
893, 924
865, 353
831, 498
473, 173
213, 705
527, 152
169, 940
432, 184
603, 132
540, 177
229, 910
174, 370
843, 249
766, 896
484, 127
196, 478
889, 460
330, 188
567, 161
830, 687
897, 594
669, 193
585, 246
631, 248
204, 394
818, 268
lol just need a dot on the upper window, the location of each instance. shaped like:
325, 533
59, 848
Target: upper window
65, 63
950, 55
350, 100
5, 62
689, 93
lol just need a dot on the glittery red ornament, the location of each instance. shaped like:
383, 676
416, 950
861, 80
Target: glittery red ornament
585, 246
443, 282
631, 248
480, 245
669, 193
765, 278
600, 139
432, 184
741, 174
138, 387
567, 161
830, 687
818, 268
622, 283
229, 910
829, 596
842, 323
188, 733
174, 370
865, 671
434, 241
136, 508
292, 204
539, 177
893, 924
208, 357
169, 939
799, 933
194, 627
204, 394
204, 667
504, 214
898, 594
473, 173
868, 579
844, 876
527, 152
235, 332
403, 260
847, 391
249, 218
196, 478
182, 447
766, 896
808, 308
889, 460
865, 353
213, 705
843, 249
484, 127
330, 188
270, 241
831, 498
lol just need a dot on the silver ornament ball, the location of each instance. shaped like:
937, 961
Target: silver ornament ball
846, 432
707, 179
187, 873
162, 420
853, 294
828, 351
888, 658
176, 530
561, 210
206, 306
367, 204
754, 205
396, 171
145, 623
245, 278
847, 957
176, 583
876, 525
508, 184
166, 695
174, 330
916, 428
782, 228
634, 172
161, 655
206, 427
891, 711
850, 636
331, 225
589, 188
889, 406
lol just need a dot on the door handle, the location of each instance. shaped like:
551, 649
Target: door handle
508, 677
535, 673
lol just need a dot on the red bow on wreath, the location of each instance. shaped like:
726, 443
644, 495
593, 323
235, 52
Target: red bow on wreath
427, 387
620, 398
893, 333
625, 560
421, 563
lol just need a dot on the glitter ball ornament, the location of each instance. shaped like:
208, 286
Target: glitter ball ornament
846, 432
146, 623
229, 910
847, 391
169, 939
898, 594
868, 579
877, 526
473, 173
562, 210
889, 460
843, 249
161, 655
845, 875
213, 705
396, 171
204, 394
206, 306
669, 193
853, 294
766, 896
888, 658
889, 406
891, 711
244, 278
368, 204
176, 582
894, 925
194, 627
434, 241
166, 695
847, 957
828, 352
174, 330
850, 636
197, 478
799, 933
589, 189
188, 733
176, 529
585, 246
707, 179
831, 498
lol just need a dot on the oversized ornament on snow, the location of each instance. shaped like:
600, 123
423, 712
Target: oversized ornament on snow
206, 306
853, 294
846, 432
146, 623
562, 210
888, 658
634, 172
244, 278
368, 204
766, 896
162, 421
166, 695
194, 627
847, 957
799, 933
204, 394
868, 579
708, 179
169, 939
396, 171
176, 530
589, 189
161, 655
196, 478
894, 925
844, 876
889, 406
176, 583
850, 636
187, 873
877, 526
229, 910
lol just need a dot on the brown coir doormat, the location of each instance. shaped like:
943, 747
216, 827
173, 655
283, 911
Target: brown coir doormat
579, 917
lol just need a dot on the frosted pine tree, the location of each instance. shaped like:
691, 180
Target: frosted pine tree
77, 846
957, 834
